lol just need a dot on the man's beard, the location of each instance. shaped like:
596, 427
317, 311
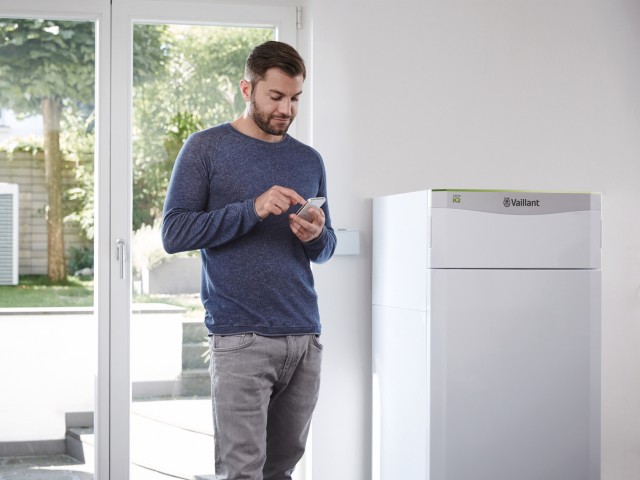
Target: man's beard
262, 120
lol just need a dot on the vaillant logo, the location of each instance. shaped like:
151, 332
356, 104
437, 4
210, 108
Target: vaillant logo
520, 202
457, 199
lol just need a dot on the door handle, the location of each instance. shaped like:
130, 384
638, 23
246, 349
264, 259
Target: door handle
120, 255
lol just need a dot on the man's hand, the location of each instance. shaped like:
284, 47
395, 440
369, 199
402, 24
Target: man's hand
276, 201
307, 231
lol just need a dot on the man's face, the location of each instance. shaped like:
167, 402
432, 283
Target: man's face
274, 101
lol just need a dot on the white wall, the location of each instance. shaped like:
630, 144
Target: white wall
54, 359
48, 370
522, 94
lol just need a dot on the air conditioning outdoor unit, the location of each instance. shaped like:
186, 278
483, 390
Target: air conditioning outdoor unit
9, 248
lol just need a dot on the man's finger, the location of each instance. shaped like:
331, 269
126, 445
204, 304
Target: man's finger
292, 195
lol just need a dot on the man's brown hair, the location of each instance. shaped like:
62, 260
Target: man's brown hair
273, 54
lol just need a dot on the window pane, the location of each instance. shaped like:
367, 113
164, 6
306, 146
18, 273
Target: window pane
185, 79
47, 327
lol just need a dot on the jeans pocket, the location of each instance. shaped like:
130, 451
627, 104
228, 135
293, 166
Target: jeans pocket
316, 341
231, 343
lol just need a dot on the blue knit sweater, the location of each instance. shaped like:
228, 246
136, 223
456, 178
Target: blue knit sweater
256, 275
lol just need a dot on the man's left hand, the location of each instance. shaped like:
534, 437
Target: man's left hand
307, 231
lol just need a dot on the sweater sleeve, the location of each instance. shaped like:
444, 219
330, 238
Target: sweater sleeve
321, 249
186, 224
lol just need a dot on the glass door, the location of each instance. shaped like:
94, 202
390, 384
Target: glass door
54, 202
177, 71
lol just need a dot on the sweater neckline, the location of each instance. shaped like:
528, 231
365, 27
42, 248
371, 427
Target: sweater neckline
284, 140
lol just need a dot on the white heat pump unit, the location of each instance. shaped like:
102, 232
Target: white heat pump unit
486, 335
9, 247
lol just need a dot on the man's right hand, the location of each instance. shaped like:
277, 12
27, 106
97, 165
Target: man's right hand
276, 201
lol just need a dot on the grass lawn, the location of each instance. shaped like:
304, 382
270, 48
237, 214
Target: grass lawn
37, 291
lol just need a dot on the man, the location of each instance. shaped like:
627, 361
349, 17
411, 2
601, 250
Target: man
233, 194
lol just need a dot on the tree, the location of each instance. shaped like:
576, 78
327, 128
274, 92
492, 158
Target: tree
184, 79
199, 88
45, 65
151, 179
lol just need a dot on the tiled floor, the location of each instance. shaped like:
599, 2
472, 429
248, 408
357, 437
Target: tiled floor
169, 439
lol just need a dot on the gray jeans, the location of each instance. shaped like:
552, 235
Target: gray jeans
263, 390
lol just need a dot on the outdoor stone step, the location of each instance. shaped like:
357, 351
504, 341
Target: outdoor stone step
80, 444
194, 332
192, 356
195, 383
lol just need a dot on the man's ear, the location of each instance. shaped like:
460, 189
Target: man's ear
245, 89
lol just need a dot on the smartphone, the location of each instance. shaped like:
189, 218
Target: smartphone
312, 202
